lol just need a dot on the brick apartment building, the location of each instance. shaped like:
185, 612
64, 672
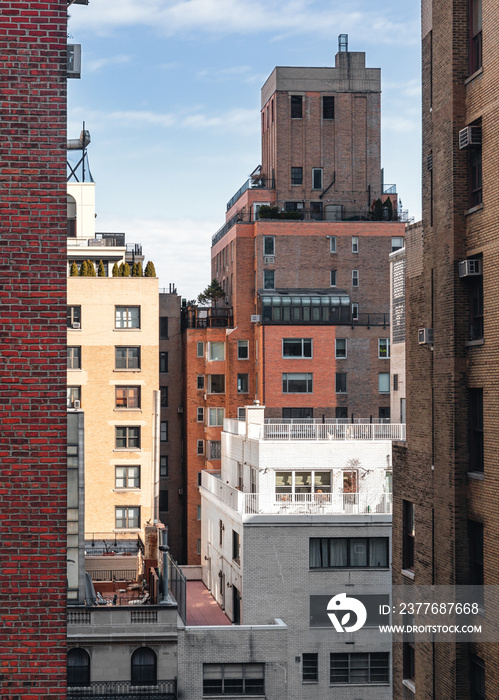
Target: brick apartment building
32, 340
446, 479
304, 327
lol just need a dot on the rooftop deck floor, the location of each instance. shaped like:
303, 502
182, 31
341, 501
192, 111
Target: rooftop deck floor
202, 608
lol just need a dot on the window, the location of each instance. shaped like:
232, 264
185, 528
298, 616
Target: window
214, 449
200, 447
74, 356
310, 668
144, 667
221, 529
163, 362
269, 279
74, 316
216, 351
296, 106
198, 547
317, 178
127, 437
297, 347
332, 244
384, 413
163, 501
359, 668
332, 279
384, 382
269, 245
242, 383
476, 429
243, 349
291, 486
341, 412
216, 383
198, 514
298, 412
240, 478
355, 278
355, 244
316, 211
476, 307
163, 431
127, 317
408, 535
341, 383
233, 679
200, 414
236, 547
408, 653
163, 465
297, 382
475, 23
397, 243
127, 517
127, 396
475, 176
328, 107
477, 679
348, 552
163, 327
355, 312
127, 477
127, 358
395, 382
241, 413
384, 348
163, 396
476, 553
216, 416
200, 381
78, 667
73, 393
296, 176
340, 350
200, 349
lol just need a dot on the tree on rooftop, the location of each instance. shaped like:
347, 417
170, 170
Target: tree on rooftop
91, 269
84, 269
150, 270
101, 271
212, 294
116, 272
74, 270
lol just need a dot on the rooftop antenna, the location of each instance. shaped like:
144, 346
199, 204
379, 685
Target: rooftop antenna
79, 145
343, 43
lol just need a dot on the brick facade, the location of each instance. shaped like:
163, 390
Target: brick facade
32, 332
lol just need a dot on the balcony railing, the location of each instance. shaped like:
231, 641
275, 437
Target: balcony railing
250, 185
331, 431
197, 317
101, 543
105, 690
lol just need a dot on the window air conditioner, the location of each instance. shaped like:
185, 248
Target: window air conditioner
425, 336
255, 318
76, 326
470, 136
269, 259
76, 404
470, 268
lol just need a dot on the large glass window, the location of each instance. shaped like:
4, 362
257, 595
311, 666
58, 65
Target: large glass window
216, 383
127, 517
127, 437
144, 667
348, 552
127, 317
297, 347
127, 397
127, 477
127, 357
78, 667
216, 416
297, 383
296, 106
216, 351
233, 679
359, 668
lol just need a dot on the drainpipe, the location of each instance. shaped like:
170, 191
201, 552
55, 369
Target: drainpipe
164, 549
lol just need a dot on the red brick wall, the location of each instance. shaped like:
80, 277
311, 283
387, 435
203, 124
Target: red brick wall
32, 344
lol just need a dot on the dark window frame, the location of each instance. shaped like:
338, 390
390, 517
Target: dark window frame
129, 360
310, 668
341, 669
145, 672
476, 430
78, 667
128, 438
131, 514
323, 549
127, 401
73, 315
130, 319
296, 106
296, 175
328, 107
340, 385
290, 379
73, 353
408, 534
128, 478
163, 362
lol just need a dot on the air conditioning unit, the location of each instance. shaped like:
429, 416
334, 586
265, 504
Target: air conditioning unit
76, 326
425, 336
255, 318
470, 136
269, 259
76, 404
470, 268
180, 409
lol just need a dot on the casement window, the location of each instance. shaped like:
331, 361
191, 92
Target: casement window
163, 431
127, 517
408, 534
243, 383
384, 348
317, 178
127, 396
269, 279
397, 243
476, 429
144, 667
475, 25
200, 448
384, 382
355, 244
216, 351
348, 552
163, 465
200, 381
328, 107
332, 244
236, 547
127, 437
163, 327
127, 477
127, 317
332, 278
297, 382
296, 176
341, 383
163, 396
363, 668
216, 384
340, 348
243, 349
269, 245
74, 356
310, 668
214, 449
216, 416
127, 357
73, 393
78, 667
199, 348
297, 347
296, 107
355, 278
74, 317
233, 679
163, 362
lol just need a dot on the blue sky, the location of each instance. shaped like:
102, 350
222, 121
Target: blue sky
170, 92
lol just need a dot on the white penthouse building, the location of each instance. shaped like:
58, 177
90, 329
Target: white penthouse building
300, 513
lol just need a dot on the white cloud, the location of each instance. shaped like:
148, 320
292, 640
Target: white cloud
95, 64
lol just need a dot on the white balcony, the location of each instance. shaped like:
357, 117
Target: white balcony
317, 431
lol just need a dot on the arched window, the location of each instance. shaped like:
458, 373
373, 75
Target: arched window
144, 667
71, 216
78, 667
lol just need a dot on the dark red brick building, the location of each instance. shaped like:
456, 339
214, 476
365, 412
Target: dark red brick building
32, 349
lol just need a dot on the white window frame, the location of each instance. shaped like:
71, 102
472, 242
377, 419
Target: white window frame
216, 417
240, 345
200, 447
355, 278
332, 244
199, 348
320, 170
340, 357
264, 282
216, 345
395, 245
302, 356
265, 239
332, 278
128, 320
386, 343
126, 477
386, 382
355, 244
243, 374
200, 414
355, 311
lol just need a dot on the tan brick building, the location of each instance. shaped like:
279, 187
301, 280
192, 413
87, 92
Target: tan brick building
446, 481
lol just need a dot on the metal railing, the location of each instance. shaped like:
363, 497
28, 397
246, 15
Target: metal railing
171, 289
331, 431
105, 690
102, 543
316, 503
262, 183
319, 421
177, 585
211, 317
112, 574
